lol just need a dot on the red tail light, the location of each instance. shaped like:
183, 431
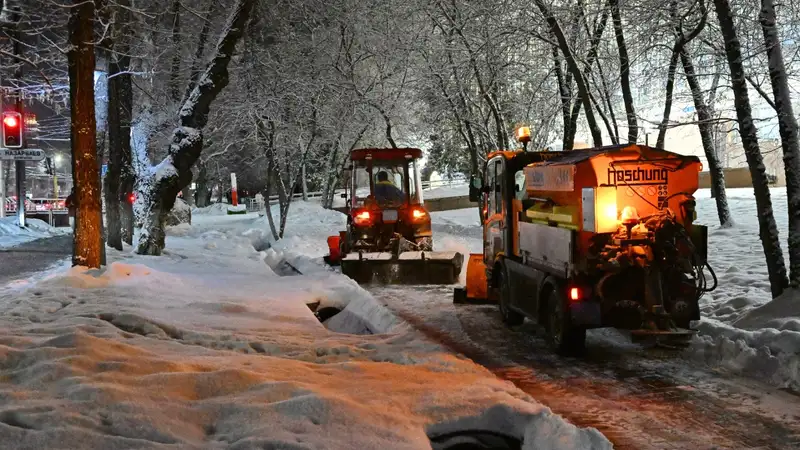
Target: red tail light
362, 218
132, 198
418, 214
575, 294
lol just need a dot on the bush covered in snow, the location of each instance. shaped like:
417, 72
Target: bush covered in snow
181, 213
237, 209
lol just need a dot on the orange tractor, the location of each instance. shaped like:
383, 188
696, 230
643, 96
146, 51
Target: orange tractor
388, 238
591, 238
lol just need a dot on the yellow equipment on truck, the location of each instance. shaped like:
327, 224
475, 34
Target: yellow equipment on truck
591, 238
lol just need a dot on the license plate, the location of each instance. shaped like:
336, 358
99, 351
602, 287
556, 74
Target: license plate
390, 215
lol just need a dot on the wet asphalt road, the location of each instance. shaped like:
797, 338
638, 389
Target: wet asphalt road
640, 399
22, 260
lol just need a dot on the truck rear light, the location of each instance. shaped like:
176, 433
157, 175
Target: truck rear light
575, 294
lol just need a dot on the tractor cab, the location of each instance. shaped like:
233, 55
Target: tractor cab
386, 200
388, 237
385, 178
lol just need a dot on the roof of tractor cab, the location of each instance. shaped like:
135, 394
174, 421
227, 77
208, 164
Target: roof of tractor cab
385, 153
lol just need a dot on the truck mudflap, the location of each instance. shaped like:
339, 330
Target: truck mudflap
672, 338
586, 314
414, 267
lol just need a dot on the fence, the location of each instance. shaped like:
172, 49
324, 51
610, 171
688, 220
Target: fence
253, 205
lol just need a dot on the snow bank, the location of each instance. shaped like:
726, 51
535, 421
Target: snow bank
215, 209
206, 346
457, 190
742, 331
11, 234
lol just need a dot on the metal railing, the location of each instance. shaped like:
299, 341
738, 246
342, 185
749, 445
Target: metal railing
253, 205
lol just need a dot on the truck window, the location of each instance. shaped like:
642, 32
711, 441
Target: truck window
519, 185
498, 187
490, 181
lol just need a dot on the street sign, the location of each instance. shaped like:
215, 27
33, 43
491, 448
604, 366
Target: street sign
103, 170
21, 154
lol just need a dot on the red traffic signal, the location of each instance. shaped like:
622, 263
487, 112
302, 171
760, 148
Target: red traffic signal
12, 129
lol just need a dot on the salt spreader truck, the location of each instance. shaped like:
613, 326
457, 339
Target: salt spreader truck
388, 239
591, 238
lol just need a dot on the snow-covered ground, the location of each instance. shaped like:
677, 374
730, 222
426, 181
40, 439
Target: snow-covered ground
742, 331
211, 345
12, 234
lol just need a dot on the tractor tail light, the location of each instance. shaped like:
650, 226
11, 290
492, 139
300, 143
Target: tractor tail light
362, 218
418, 214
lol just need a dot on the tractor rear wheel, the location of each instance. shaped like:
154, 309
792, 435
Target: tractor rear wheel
510, 317
565, 338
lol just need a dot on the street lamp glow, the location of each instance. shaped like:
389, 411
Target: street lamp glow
58, 158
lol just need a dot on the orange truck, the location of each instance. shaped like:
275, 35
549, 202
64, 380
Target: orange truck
591, 238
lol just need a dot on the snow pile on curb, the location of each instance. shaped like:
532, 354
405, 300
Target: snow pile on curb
215, 209
206, 346
11, 234
743, 331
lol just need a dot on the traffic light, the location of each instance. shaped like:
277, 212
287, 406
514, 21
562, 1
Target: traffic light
12, 129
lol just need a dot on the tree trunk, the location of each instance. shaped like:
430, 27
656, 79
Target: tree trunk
577, 74
673, 64
768, 230
113, 176
127, 172
565, 93
174, 172
787, 125
202, 193
624, 72
705, 126
677, 50
201, 47
86, 179
177, 52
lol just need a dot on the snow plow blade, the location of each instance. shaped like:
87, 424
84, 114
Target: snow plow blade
407, 268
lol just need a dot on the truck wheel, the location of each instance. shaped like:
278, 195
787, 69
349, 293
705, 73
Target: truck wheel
565, 338
510, 317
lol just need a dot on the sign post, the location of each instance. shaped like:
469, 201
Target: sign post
234, 196
2, 189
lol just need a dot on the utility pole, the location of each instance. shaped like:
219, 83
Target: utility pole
2, 173
18, 107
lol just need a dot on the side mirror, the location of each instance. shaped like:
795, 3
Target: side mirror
344, 195
475, 188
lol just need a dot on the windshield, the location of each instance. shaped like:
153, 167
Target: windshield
389, 187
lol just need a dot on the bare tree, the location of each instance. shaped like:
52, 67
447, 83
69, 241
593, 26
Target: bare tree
768, 230
787, 124
174, 172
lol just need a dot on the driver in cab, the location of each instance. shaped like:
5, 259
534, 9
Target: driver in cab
385, 191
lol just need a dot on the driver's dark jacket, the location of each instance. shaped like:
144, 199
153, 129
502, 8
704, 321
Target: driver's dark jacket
386, 192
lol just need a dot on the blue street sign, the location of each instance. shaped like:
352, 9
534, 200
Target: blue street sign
103, 170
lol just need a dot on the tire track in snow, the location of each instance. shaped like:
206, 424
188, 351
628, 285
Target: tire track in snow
640, 399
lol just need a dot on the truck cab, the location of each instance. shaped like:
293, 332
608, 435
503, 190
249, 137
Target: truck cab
564, 246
